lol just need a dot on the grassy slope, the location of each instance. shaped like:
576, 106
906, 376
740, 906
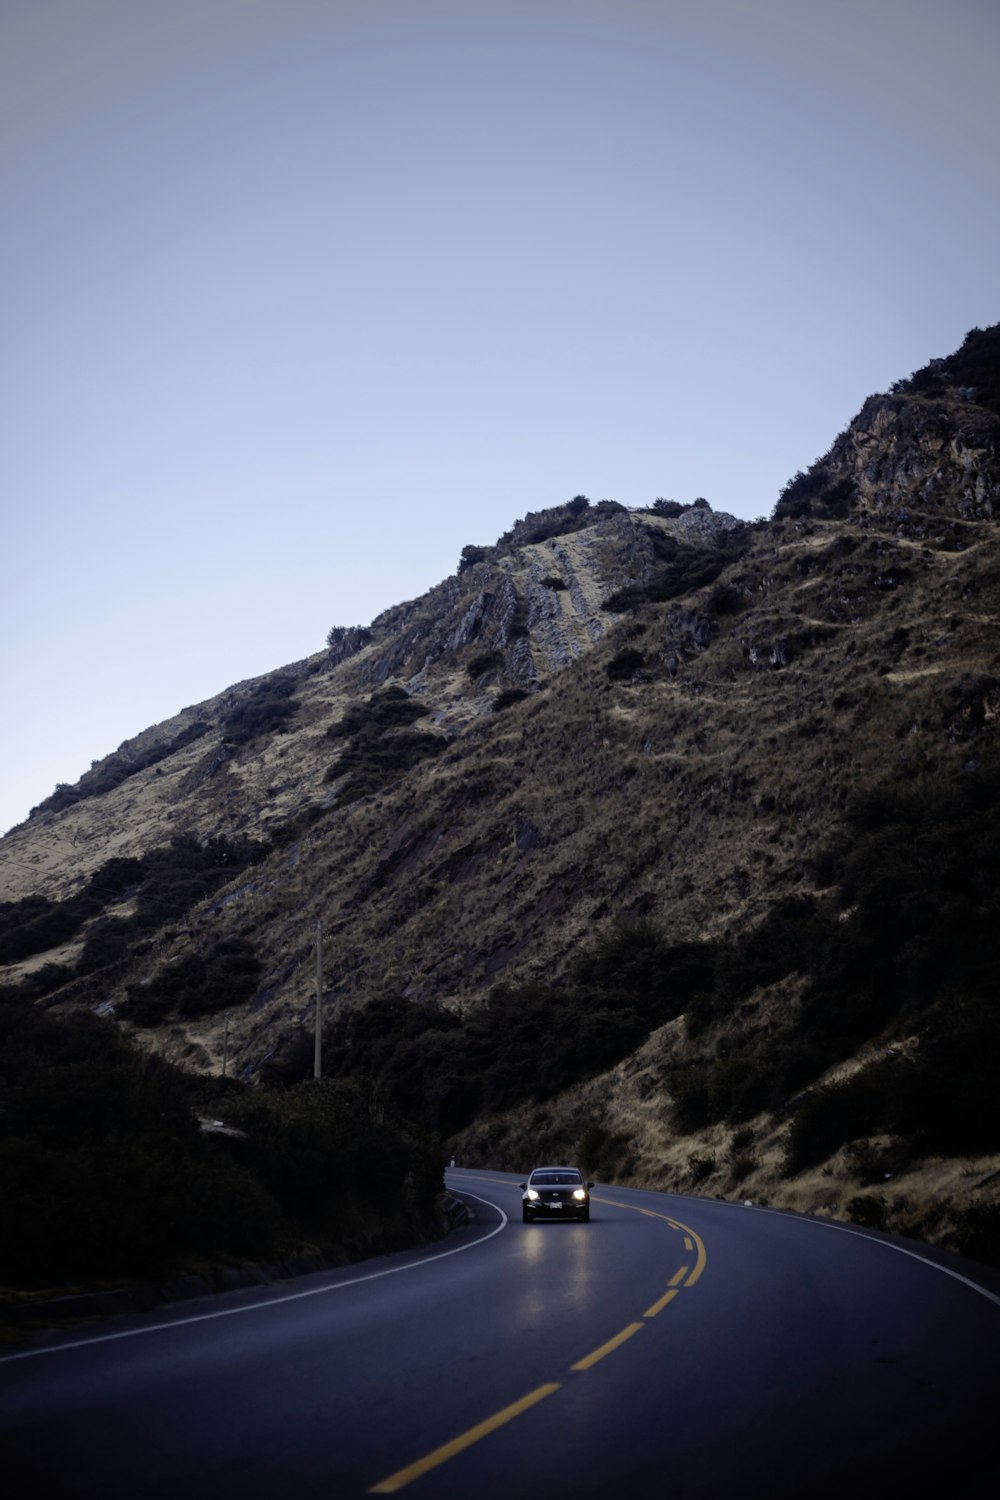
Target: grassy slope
697, 789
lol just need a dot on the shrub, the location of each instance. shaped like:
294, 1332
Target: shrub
374, 759
689, 1094
267, 709
726, 600
554, 525
34, 925
679, 570
508, 698
868, 1210
345, 640
392, 708
977, 1232
741, 1165
226, 976
603, 1153
488, 661
740, 1087
830, 1116
111, 772
104, 1171
470, 556
624, 665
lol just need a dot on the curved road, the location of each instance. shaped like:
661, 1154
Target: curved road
673, 1346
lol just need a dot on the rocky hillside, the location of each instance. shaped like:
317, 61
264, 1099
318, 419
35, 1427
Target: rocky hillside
610, 721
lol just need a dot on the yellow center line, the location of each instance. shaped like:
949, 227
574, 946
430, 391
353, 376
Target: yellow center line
449, 1450
441, 1455
667, 1297
608, 1348
700, 1261
684, 1229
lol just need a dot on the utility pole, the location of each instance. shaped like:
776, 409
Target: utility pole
318, 1065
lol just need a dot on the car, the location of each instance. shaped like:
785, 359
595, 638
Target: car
559, 1192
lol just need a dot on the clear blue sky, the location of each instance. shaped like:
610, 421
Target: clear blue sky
298, 297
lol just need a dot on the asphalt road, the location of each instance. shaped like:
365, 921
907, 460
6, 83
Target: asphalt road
673, 1346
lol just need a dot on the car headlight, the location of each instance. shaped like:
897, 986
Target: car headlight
532, 1193
580, 1193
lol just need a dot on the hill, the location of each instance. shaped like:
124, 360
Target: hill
647, 836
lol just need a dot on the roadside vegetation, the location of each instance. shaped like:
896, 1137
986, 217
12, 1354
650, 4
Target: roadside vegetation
106, 1171
893, 955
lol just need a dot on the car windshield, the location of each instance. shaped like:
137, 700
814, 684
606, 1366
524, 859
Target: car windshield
555, 1179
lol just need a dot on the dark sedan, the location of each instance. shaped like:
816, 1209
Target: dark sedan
555, 1192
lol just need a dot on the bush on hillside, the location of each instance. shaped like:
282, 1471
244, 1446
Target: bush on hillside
267, 710
105, 775
527, 1042
163, 884
508, 698
623, 666
380, 747
104, 1171
392, 708
226, 976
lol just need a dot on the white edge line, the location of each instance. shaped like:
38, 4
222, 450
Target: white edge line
871, 1239
859, 1234
232, 1312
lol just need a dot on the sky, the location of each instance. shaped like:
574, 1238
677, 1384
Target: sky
300, 297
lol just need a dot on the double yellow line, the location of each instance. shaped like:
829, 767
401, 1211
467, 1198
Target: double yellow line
686, 1276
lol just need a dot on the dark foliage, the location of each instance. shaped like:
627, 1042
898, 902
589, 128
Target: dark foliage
267, 710
294, 828
164, 883
392, 708
977, 1232
623, 666
380, 747
105, 1172
345, 640
107, 943
554, 526
975, 366
815, 493
226, 976
36, 923
118, 768
488, 661
906, 948
529, 1041
508, 697
726, 600
40, 982
472, 555
374, 760
679, 570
